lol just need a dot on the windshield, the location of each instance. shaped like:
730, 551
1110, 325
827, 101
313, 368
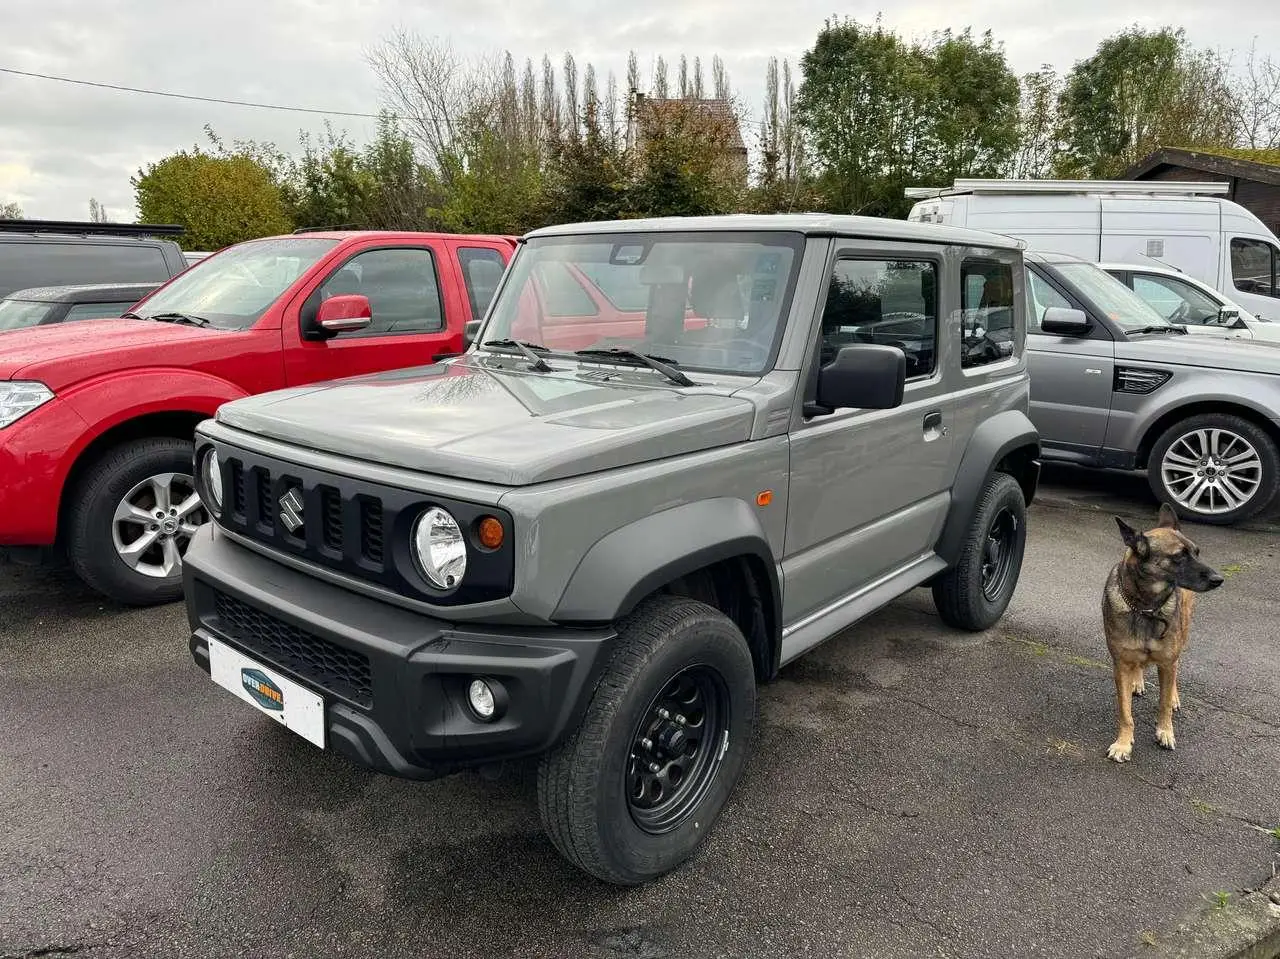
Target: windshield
705, 301
236, 286
16, 314
1124, 307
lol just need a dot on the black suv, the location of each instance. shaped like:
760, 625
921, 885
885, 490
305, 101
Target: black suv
56, 252
43, 305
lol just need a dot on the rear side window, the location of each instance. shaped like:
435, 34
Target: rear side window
482, 268
26, 264
93, 311
892, 302
986, 299
1253, 267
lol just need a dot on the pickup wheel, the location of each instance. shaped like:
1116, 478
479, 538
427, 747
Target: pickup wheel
635, 789
130, 519
974, 593
1214, 468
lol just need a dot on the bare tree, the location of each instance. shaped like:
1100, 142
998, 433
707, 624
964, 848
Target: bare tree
10, 211
571, 102
696, 88
1038, 142
633, 74
1255, 100
683, 82
661, 87
97, 212
720, 80
550, 104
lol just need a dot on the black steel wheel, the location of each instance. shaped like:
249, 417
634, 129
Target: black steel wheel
675, 752
998, 554
635, 789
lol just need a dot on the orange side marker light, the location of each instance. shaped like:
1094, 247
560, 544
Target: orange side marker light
764, 498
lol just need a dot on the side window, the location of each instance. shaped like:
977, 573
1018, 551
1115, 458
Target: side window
94, 311
986, 300
1176, 301
1041, 296
1253, 267
562, 293
892, 302
482, 268
400, 284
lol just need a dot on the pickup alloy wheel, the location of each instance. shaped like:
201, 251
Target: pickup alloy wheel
634, 790
131, 516
1214, 468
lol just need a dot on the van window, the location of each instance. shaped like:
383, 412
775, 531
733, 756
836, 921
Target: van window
986, 300
25, 264
1253, 267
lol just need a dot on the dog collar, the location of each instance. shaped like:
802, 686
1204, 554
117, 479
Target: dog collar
1136, 606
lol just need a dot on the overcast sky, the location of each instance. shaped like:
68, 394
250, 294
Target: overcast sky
62, 144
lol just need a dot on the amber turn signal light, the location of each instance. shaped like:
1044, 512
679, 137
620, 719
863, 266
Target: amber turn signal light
490, 533
764, 498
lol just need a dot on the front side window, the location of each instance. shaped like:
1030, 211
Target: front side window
1042, 296
711, 301
233, 288
1253, 267
400, 284
17, 314
1176, 301
889, 302
986, 299
95, 311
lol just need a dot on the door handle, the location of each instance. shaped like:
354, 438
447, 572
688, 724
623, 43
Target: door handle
933, 426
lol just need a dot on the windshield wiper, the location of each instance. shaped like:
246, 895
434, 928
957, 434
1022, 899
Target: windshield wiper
1157, 329
662, 364
188, 318
131, 316
530, 351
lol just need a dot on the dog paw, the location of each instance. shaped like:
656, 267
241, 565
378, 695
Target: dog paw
1120, 752
1140, 689
1165, 738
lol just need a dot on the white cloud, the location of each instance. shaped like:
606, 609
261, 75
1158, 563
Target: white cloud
62, 144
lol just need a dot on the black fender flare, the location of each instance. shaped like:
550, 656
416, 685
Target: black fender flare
993, 442
637, 559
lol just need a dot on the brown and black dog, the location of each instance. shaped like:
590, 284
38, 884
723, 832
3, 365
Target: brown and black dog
1146, 615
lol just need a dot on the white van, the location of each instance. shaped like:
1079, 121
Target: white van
1190, 226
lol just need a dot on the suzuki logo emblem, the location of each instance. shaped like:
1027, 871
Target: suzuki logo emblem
291, 510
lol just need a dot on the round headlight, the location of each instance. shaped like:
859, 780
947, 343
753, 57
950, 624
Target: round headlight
440, 548
211, 473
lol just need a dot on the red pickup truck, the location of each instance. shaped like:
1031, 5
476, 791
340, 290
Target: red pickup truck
96, 417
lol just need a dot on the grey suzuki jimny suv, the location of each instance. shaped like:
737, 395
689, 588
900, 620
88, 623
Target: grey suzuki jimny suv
677, 454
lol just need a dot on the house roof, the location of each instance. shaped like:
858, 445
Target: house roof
1262, 166
715, 111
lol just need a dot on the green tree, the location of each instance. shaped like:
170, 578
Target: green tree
974, 128
218, 199
1141, 89
1038, 143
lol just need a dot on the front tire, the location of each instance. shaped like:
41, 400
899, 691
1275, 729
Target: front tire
974, 593
1214, 468
131, 517
636, 788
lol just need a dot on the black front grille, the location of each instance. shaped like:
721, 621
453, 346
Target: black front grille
317, 661
358, 528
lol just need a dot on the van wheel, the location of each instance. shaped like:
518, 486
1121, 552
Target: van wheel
974, 593
131, 517
635, 789
1214, 468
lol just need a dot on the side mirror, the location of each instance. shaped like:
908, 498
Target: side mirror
344, 313
469, 333
1230, 319
865, 376
1061, 321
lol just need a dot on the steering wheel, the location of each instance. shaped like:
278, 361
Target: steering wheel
1182, 313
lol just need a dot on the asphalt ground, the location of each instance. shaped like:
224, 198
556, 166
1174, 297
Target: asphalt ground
912, 792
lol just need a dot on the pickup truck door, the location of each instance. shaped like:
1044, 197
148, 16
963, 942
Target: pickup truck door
421, 295
1071, 378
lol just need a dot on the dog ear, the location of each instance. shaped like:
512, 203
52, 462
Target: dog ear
1132, 538
1168, 518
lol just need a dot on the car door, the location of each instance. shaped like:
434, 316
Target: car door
869, 488
1071, 376
416, 304
1180, 302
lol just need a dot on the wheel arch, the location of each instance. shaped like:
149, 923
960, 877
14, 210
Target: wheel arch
1005, 443
713, 550
1196, 408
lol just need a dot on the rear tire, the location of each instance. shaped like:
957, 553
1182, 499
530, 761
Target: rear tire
1173, 478
627, 813
99, 533
974, 593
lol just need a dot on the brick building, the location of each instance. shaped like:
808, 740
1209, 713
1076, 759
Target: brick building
1253, 175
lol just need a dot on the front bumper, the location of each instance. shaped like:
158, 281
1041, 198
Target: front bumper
394, 681
35, 455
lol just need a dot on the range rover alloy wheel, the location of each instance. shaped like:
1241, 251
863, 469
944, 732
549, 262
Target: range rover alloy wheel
974, 593
634, 791
1214, 468
130, 518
